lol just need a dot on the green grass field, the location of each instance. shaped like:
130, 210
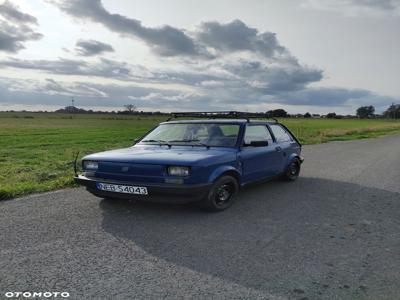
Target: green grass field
36, 150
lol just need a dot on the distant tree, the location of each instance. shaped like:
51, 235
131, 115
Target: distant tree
70, 110
393, 111
364, 112
277, 113
331, 115
307, 115
130, 108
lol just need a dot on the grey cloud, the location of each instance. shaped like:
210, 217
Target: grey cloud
382, 4
387, 7
256, 76
315, 97
10, 12
170, 41
103, 68
231, 78
51, 92
109, 69
237, 36
92, 47
16, 28
335, 97
210, 37
272, 80
165, 40
72, 89
12, 38
325, 96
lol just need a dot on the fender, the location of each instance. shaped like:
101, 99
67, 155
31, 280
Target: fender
223, 169
291, 157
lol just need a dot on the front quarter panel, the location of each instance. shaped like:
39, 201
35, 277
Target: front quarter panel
207, 170
234, 168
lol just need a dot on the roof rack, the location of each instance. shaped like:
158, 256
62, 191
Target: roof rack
221, 115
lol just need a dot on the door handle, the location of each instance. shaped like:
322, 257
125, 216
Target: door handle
278, 149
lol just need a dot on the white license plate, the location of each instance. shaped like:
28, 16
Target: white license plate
118, 188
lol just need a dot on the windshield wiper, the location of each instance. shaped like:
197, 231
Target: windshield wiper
160, 142
197, 142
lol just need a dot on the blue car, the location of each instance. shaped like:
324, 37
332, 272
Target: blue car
206, 160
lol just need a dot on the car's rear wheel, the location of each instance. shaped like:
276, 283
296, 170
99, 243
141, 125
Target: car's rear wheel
221, 194
293, 170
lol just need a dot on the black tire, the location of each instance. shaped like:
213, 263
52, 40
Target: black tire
293, 170
221, 194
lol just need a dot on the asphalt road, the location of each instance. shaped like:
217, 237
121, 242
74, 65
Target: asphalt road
333, 234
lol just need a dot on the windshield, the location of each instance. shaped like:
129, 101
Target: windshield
197, 134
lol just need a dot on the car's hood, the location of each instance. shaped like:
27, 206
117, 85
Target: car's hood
179, 155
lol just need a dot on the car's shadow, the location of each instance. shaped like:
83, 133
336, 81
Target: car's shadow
312, 238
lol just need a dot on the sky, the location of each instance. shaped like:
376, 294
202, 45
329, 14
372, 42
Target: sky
315, 56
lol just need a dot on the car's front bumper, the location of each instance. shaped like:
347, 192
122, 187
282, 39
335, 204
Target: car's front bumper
159, 192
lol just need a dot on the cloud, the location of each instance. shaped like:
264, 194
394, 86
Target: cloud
53, 87
10, 12
358, 7
270, 70
165, 40
271, 79
92, 47
114, 96
101, 68
324, 96
170, 41
51, 92
218, 65
260, 77
16, 28
237, 36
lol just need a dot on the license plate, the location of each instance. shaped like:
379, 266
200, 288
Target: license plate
118, 188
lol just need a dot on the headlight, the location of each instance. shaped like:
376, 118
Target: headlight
178, 171
90, 165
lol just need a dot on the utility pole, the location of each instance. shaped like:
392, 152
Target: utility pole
73, 106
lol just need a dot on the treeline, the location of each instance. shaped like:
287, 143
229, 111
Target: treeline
76, 110
363, 112
368, 112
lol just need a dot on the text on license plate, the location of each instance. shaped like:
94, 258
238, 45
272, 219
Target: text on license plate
118, 188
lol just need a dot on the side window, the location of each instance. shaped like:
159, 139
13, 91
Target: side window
230, 130
280, 134
257, 133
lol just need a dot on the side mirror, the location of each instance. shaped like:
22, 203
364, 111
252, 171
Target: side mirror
257, 144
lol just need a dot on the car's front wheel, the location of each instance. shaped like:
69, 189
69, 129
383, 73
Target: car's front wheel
221, 194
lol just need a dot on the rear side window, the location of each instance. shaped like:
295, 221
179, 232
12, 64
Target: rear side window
257, 133
281, 135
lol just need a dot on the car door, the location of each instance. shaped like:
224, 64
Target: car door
284, 143
259, 162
